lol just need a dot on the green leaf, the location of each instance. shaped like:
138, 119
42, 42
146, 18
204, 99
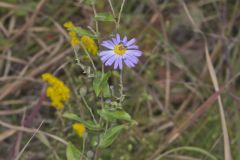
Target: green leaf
106, 89
42, 138
72, 152
104, 17
94, 141
82, 32
89, 124
107, 138
112, 115
97, 83
100, 84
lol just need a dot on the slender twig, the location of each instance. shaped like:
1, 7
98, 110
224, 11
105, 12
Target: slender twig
90, 58
28, 130
77, 58
96, 22
89, 108
113, 12
29, 120
31, 19
83, 147
119, 15
8, 63
8, 5
168, 86
23, 149
188, 148
12, 112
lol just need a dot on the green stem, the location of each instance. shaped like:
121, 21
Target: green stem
89, 108
121, 87
90, 58
113, 12
120, 13
83, 147
96, 22
77, 58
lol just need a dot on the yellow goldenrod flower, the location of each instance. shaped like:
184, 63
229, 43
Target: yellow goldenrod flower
74, 39
79, 128
87, 41
57, 91
89, 44
68, 25
72, 34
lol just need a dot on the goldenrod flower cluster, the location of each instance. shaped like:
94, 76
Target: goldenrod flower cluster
87, 41
74, 39
73, 36
79, 129
89, 44
57, 91
68, 25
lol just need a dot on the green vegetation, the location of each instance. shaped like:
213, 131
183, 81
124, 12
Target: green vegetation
180, 101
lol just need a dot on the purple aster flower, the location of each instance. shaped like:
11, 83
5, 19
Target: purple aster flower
120, 51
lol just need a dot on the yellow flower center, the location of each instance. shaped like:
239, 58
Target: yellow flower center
120, 49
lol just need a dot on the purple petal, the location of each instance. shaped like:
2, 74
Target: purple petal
114, 41
108, 42
133, 47
107, 45
106, 57
120, 63
128, 63
110, 61
124, 40
133, 59
103, 53
116, 63
132, 41
118, 38
136, 53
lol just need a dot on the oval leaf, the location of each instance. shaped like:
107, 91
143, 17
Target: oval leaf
72, 152
112, 115
82, 32
100, 84
89, 124
110, 135
104, 17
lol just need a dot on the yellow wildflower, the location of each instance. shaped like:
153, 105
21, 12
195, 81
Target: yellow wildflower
79, 128
74, 39
57, 91
68, 25
72, 34
87, 41
89, 44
